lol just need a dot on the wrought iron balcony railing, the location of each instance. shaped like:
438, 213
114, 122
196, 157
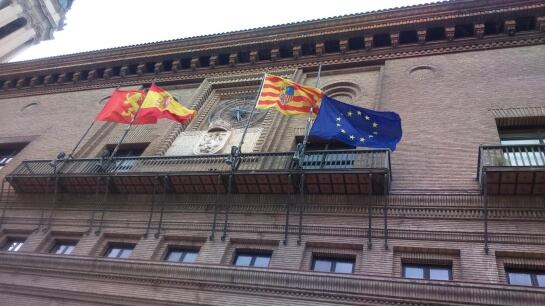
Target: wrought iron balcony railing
512, 169
212, 166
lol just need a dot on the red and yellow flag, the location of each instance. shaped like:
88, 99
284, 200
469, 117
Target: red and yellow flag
160, 104
122, 107
288, 97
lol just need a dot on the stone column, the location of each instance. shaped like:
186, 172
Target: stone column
10, 13
16, 39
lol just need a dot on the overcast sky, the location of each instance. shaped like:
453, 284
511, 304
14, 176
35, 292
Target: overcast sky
98, 24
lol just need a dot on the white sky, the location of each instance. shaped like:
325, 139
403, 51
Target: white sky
98, 24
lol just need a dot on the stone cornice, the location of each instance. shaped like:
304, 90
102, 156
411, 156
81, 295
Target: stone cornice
328, 287
419, 14
70, 72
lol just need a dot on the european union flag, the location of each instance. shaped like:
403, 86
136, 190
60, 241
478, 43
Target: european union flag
356, 126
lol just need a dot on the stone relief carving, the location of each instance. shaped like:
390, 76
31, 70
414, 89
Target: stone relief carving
211, 142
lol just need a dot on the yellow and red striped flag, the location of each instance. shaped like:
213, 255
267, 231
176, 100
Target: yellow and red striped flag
288, 97
160, 104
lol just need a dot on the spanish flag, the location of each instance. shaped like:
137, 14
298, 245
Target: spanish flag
123, 106
160, 104
288, 97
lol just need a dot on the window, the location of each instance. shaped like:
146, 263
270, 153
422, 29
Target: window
8, 152
128, 150
525, 147
13, 245
182, 255
64, 247
252, 259
433, 272
119, 251
336, 265
525, 277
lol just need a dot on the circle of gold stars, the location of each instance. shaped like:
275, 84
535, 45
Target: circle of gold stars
362, 139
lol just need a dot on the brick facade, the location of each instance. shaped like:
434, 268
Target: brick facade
432, 214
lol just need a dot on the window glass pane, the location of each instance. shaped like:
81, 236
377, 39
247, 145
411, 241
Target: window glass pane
14, 246
261, 261
125, 253
69, 249
439, 273
414, 272
322, 265
243, 260
190, 256
114, 252
541, 280
520, 278
344, 267
519, 141
174, 256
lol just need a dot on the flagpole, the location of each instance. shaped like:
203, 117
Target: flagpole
235, 151
71, 155
129, 126
301, 150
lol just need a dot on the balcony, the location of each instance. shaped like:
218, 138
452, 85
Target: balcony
321, 172
512, 169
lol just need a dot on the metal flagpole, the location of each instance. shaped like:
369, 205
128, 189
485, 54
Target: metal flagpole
128, 127
71, 155
235, 151
301, 148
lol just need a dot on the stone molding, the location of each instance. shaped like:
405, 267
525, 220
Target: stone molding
301, 284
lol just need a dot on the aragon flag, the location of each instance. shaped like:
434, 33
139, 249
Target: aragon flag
288, 97
160, 104
123, 106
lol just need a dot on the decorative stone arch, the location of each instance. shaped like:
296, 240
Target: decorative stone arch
345, 90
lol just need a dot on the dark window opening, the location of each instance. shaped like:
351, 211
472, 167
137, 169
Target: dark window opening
133, 68
356, 43
204, 61
408, 37
264, 54
84, 75
493, 27
185, 63
150, 67
223, 59
128, 150
286, 51
13, 245
116, 71
254, 259
122, 250
12, 27
527, 23
308, 49
525, 277
8, 152
64, 247
381, 40
167, 65
243, 57
335, 265
432, 272
464, 30
54, 78
435, 34
332, 46
182, 255
100, 73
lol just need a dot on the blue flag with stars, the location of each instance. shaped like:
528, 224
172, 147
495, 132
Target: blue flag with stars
356, 126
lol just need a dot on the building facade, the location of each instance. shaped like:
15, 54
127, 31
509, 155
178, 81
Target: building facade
453, 217
24, 23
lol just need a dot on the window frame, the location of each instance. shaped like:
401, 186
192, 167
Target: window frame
61, 243
184, 251
531, 272
10, 242
8, 151
123, 246
334, 260
426, 270
254, 254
